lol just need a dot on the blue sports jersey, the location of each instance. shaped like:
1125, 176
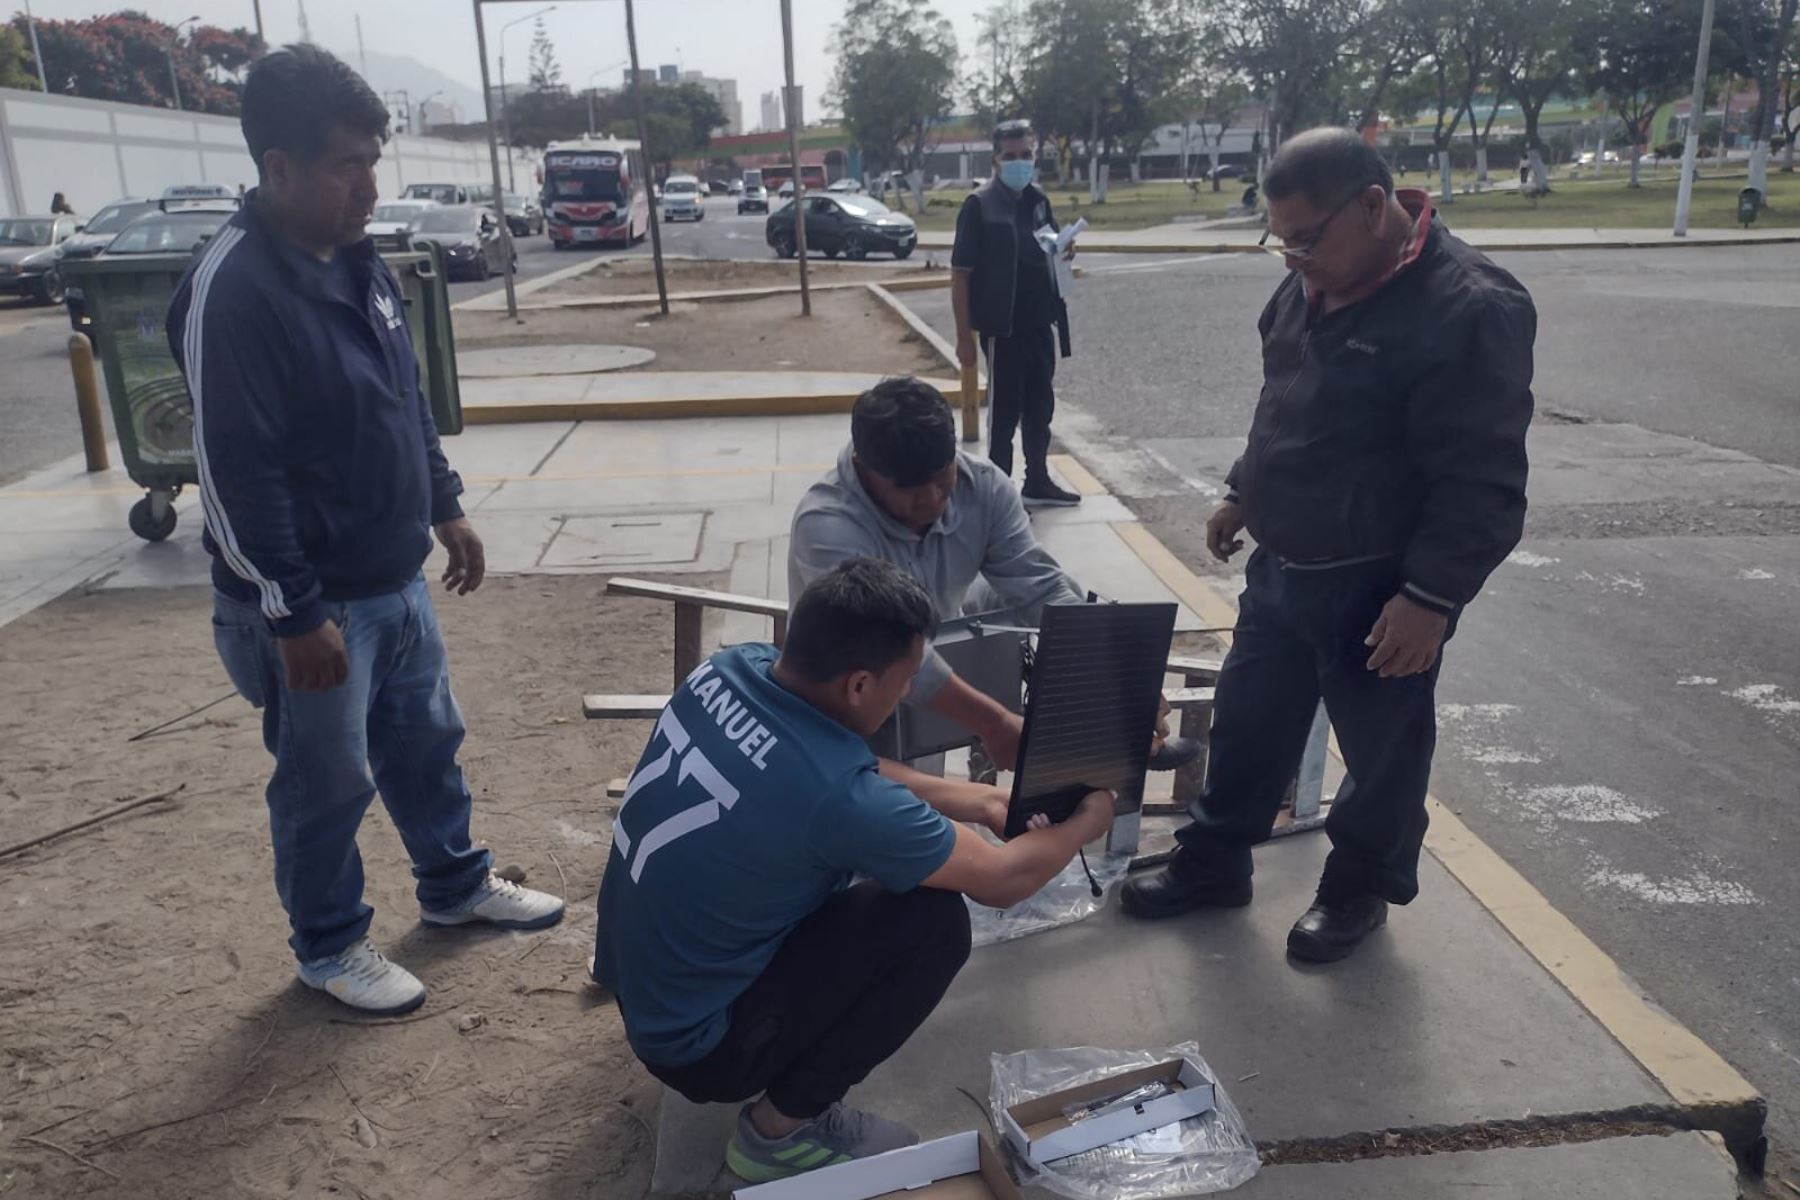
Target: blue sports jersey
749, 808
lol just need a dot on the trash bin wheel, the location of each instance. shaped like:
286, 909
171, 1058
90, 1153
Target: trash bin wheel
144, 523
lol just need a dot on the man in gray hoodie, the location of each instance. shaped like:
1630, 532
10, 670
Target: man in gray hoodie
902, 492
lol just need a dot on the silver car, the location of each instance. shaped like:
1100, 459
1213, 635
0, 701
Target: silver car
682, 199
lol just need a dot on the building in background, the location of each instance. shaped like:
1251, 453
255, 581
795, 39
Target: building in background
668, 73
771, 113
647, 74
725, 92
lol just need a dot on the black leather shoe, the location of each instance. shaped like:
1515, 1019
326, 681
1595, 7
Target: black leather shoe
1176, 752
1183, 886
1334, 926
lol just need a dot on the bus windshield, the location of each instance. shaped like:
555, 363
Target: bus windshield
585, 177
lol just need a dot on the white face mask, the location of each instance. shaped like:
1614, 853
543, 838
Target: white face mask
1017, 173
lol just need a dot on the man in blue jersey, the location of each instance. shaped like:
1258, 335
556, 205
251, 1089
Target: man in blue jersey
323, 485
747, 964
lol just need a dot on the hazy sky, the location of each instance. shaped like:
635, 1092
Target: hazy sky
734, 39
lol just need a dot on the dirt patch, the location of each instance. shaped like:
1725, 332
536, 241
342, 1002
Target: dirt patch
153, 1023
1487, 1135
848, 331
637, 276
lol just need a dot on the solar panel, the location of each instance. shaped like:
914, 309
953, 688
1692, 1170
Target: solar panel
1095, 684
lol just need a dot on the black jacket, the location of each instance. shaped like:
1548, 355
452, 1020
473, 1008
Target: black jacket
987, 246
1396, 426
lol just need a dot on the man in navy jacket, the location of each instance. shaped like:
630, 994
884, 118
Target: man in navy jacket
322, 482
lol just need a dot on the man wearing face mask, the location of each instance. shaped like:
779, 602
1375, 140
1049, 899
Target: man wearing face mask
1003, 289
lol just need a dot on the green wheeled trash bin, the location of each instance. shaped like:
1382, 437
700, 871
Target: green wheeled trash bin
1750, 202
128, 299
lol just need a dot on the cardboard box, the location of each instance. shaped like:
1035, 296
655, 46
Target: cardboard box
1038, 1130
963, 1166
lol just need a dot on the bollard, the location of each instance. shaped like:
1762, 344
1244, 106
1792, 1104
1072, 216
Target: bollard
971, 406
87, 402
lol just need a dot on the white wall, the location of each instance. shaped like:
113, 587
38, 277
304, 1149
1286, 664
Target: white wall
95, 151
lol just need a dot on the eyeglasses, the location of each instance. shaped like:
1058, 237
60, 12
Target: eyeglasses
1305, 247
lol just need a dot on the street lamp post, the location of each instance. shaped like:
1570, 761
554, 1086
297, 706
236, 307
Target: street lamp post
174, 81
257, 5
505, 103
1690, 149
37, 54
793, 132
590, 90
637, 95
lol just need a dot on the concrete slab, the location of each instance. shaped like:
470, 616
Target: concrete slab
594, 495
1682, 1166
626, 540
570, 359
491, 453
724, 443
1453, 1022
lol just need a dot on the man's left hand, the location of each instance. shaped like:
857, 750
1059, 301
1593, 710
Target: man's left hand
468, 561
1162, 725
1406, 638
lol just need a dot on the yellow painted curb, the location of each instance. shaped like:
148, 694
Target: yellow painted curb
1077, 475
672, 407
1692, 1072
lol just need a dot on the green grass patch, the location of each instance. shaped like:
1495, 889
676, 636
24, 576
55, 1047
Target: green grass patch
1128, 205
1608, 203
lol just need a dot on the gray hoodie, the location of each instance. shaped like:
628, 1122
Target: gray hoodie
982, 534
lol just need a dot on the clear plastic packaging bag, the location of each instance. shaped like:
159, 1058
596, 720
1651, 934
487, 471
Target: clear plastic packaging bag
1064, 900
1211, 1152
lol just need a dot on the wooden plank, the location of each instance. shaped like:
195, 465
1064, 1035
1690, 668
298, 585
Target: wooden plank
1183, 699
620, 585
1195, 670
622, 707
687, 640
971, 405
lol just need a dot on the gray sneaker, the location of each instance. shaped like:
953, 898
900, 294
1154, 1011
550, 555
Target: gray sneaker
837, 1135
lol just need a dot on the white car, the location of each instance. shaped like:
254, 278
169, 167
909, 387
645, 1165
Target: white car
1586, 159
846, 186
392, 222
683, 199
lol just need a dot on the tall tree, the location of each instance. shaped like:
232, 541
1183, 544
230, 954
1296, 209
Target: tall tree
1295, 54
125, 57
545, 72
1482, 47
1436, 84
1542, 64
1208, 99
895, 80
680, 118
1068, 77
993, 88
1639, 54
16, 68
1762, 33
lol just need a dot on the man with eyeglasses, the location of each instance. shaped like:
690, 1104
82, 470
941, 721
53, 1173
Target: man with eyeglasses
1003, 290
1384, 479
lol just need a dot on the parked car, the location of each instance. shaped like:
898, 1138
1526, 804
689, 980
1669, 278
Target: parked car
469, 237
735, 188
28, 256
889, 183
391, 224
754, 198
102, 227
448, 194
179, 230
523, 216
681, 199
1586, 158
846, 185
854, 226
1226, 171
718, 187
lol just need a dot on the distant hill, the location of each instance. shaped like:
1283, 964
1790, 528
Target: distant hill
396, 73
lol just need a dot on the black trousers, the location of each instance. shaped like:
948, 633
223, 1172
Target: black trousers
847, 988
1299, 637
1021, 376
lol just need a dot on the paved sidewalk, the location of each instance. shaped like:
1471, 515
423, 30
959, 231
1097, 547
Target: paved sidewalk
1196, 239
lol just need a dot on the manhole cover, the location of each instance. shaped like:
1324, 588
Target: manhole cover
515, 361
626, 539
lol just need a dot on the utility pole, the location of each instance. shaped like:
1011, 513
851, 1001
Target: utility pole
637, 96
793, 127
37, 54
1690, 150
257, 6
487, 102
362, 59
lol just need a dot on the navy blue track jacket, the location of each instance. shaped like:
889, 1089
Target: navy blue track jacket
320, 469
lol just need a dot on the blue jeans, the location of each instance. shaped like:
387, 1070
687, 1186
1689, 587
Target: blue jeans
393, 725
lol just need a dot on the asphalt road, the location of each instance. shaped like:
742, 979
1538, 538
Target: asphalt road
1620, 711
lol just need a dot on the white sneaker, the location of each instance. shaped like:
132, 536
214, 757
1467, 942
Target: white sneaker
500, 903
360, 977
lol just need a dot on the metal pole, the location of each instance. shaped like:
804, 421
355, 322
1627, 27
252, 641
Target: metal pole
174, 83
590, 100
1690, 150
362, 59
505, 112
637, 97
487, 103
37, 54
793, 126
257, 5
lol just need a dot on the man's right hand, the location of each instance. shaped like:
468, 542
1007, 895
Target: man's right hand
1001, 737
1095, 815
316, 661
1222, 530
966, 351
